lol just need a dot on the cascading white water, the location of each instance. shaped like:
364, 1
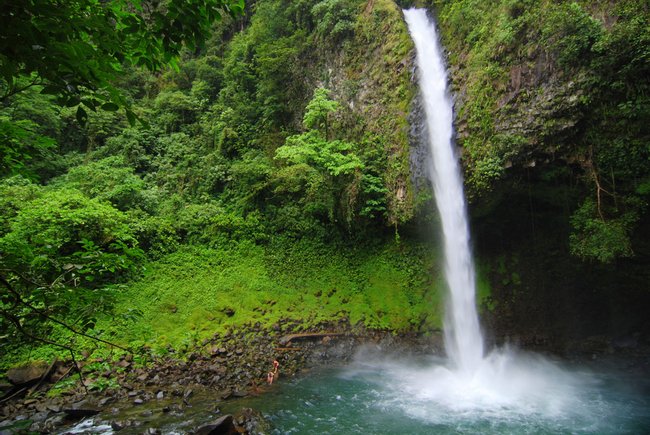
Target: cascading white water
463, 339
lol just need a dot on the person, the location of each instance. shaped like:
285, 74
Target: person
276, 364
269, 378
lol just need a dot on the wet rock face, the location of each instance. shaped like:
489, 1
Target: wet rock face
545, 114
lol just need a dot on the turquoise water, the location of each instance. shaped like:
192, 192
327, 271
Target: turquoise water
379, 397
511, 393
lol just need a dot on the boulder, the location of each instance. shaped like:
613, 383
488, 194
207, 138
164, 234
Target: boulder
26, 374
224, 425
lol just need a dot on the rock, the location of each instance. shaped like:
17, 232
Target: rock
123, 364
54, 422
223, 425
232, 394
40, 416
105, 401
118, 425
187, 393
5, 386
250, 421
81, 410
227, 395
147, 413
26, 374
160, 395
138, 401
53, 407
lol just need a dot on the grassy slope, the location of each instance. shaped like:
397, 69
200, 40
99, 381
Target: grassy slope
187, 296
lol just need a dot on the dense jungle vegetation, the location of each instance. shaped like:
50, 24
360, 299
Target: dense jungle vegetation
253, 165
237, 185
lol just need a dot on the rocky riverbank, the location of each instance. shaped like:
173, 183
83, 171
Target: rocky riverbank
135, 387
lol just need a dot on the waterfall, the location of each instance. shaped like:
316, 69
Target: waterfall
463, 340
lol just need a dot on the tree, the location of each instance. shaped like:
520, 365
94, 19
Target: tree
326, 170
318, 111
75, 49
60, 255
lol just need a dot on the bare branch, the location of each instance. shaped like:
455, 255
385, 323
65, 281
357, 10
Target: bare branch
43, 314
14, 320
13, 90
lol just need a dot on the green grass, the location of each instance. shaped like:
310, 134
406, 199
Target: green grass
194, 293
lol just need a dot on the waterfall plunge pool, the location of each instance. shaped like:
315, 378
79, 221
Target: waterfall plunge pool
511, 393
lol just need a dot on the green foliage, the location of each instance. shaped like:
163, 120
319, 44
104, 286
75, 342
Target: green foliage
185, 296
62, 387
209, 224
175, 109
63, 236
108, 180
318, 111
595, 238
19, 142
29, 128
571, 32
381, 89
335, 19
487, 170
374, 192
61, 254
228, 164
542, 81
323, 169
16, 192
102, 384
333, 157
75, 49
156, 235
262, 71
